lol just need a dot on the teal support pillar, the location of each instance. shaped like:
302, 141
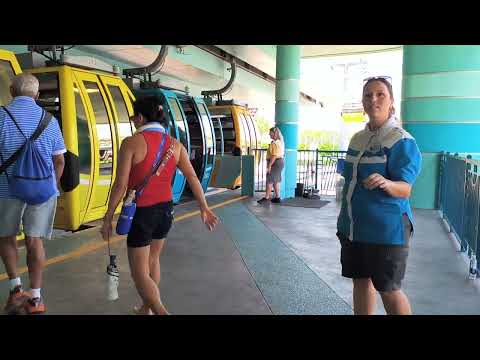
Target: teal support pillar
287, 95
440, 108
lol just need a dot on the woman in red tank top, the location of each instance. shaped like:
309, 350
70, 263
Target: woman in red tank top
154, 215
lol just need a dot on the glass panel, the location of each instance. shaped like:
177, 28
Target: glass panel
244, 139
208, 131
229, 134
169, 117
216, 121
104, 134
206, 124
124, 126
49, 94
196, 137
253, 131
84, 147
6, 76
177, 113
249, 135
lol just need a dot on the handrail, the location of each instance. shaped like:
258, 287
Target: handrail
316, 171
459, 203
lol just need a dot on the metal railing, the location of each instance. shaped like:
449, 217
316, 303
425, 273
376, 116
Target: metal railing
316, 169
459, 203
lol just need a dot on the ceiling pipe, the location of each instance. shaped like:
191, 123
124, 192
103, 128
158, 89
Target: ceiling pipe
219, 92
153, 68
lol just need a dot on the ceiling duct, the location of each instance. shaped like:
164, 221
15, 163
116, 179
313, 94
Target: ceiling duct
219, 92
153, 68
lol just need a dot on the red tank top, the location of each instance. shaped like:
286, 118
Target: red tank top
159, 188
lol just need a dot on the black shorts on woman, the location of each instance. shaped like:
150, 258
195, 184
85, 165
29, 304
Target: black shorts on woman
384, 264
150, 223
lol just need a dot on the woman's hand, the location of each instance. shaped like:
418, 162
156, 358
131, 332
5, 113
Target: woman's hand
376, 180
398, 189
106, 229
209, 218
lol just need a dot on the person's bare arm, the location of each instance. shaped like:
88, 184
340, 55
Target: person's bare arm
119, 187
59, 165
208, 217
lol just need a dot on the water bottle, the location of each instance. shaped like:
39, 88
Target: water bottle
127, 213
472, 275
112, 279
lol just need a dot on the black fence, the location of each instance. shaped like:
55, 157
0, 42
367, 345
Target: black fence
316, 169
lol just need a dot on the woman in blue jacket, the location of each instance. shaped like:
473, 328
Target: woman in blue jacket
375, 224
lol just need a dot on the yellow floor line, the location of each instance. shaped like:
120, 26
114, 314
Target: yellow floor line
197, 212
92, 246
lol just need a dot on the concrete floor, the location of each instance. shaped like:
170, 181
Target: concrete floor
202, 273
436, 278
262, 259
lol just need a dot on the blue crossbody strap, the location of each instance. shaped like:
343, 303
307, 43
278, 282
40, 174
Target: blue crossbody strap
155, 166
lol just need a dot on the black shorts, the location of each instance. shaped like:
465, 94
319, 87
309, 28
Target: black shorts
384, 264
151, 222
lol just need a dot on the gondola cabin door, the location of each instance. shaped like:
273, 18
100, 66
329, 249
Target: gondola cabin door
93, 110
209, 141
197, 139
177, 119
105, 142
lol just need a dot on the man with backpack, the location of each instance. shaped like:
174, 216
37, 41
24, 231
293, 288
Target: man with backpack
32, 162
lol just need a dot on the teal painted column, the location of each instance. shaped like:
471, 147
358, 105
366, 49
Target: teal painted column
440, 108
287, 95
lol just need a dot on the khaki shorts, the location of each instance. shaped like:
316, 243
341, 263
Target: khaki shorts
37, 220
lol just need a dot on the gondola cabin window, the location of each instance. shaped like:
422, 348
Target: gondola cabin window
49, 94
179, 121
124, 125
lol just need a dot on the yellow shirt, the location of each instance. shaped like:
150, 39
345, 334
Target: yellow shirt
276, 149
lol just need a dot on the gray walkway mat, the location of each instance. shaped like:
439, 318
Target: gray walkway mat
303, 202
287, 283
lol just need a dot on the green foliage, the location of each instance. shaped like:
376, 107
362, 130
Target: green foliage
309, 139
317, 139
263, 126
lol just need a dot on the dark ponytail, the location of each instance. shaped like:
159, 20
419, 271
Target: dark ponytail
151, 109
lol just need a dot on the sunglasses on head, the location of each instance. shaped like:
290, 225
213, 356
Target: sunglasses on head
371, 78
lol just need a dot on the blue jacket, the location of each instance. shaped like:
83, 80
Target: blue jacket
373, 216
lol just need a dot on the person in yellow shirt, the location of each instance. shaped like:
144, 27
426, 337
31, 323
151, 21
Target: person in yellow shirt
275, 164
